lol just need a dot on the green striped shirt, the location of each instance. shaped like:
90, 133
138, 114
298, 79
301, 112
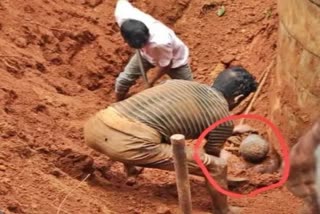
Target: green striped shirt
180, 107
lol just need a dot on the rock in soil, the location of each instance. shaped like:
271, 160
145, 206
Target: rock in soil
254, 148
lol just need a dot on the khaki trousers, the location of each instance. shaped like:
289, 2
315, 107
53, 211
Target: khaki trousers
134, 143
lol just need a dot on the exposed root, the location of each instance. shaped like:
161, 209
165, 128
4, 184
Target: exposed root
65, 198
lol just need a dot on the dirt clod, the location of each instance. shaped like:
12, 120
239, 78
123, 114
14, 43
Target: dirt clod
75, 164
56, 172
94, 3
163, 210
3, 168
14, 207
227, 59
21, 42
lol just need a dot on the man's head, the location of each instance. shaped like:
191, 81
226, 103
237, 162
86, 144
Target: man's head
235, 84
135, 33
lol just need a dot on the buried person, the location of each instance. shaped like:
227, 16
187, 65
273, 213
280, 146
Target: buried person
158, 46
136, 131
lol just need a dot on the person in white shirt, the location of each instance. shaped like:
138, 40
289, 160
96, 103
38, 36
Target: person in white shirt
159, 47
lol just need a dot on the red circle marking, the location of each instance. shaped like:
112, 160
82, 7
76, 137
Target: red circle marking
284, 151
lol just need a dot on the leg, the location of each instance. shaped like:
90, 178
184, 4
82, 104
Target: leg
136, 144
183, 72
128, 77
160, 156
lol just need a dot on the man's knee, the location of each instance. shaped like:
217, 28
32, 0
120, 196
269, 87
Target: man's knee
89, 133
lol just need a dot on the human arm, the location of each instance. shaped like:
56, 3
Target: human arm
159, 73
216, 139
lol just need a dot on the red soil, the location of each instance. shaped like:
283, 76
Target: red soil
58, 63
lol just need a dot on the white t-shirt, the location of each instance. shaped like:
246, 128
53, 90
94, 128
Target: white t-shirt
163, 46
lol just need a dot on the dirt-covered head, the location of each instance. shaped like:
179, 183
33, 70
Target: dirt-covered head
135, 33
235, 83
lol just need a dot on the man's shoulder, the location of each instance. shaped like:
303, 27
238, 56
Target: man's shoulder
160, 35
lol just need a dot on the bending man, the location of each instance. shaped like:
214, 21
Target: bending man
136, 131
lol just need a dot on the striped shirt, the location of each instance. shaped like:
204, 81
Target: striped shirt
180, 107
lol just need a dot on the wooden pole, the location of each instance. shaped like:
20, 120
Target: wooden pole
181, 169
143, 73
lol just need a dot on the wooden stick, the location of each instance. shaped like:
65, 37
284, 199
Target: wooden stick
65, 198
143, 73
264, 77
181, 169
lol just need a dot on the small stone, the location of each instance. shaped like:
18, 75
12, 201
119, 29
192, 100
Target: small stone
93, 3
163, 210
14, 207
3, 168
29, 9
34, 206
5, 180
9, 133
227, 59
56, 60
40, 67
238, 58
254, 148
21, 42
130, 209
56, 172
4, 190
131, 181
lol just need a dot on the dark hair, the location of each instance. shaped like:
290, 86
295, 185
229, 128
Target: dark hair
135, 33
235, 81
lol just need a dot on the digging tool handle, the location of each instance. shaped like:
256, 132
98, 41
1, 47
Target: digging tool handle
181, 169
143, 73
